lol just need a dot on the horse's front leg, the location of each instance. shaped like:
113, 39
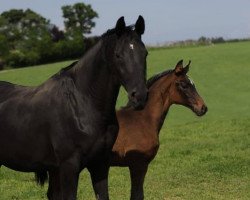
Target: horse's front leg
137, 175
99, 177
54, 189
63, 181
99, 170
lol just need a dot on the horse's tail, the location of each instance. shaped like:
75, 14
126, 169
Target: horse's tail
41, 177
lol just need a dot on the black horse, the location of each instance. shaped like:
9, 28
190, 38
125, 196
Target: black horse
69, 122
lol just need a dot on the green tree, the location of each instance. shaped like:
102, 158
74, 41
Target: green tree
79, 18
21, 35
18, 25
4, 45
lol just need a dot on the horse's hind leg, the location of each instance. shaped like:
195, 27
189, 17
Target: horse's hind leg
137, 175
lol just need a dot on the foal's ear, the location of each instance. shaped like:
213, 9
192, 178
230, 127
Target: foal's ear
186, 69
120, 26
140, 25
178, 68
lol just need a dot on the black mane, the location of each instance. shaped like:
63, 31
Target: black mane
109, 32
64, 69
113, 30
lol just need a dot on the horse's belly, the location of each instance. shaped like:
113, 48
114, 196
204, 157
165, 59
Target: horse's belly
25, 151
23, 167
23, 157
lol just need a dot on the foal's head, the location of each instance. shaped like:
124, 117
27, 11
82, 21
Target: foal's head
183, 90
127, 53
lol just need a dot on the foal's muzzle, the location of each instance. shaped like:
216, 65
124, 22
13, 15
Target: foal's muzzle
138, 98
201, 110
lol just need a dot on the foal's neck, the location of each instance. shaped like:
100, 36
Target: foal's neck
159, 102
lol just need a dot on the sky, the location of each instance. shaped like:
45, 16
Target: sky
166, 20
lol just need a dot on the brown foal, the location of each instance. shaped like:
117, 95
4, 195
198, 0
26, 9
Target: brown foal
138, 139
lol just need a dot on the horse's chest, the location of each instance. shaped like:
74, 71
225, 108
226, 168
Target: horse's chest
106, 138
96, 140
142, 143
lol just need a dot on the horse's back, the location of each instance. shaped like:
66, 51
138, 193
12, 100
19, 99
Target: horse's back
27, 115
5, 87
8, 90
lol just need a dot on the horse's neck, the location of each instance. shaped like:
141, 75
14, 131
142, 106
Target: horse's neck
158, 104
94, 80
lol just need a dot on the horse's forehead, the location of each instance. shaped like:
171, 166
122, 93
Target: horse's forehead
132, 41
131, 45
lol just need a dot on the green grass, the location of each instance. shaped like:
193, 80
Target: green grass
199, 158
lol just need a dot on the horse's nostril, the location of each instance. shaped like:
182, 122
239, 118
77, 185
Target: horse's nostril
204, 109
133, 94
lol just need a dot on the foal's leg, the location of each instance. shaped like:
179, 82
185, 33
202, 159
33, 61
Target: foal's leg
137, 175
63, 182
99, 177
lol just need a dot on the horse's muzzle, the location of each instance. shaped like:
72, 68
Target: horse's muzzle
138, 99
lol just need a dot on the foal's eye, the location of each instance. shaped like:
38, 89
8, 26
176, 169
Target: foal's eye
182, 85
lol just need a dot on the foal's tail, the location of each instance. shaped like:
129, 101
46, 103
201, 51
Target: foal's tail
41, 177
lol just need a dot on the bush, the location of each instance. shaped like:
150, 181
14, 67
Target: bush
19, 59
46, 51
218, 40
32, 58
15, 59
1, 64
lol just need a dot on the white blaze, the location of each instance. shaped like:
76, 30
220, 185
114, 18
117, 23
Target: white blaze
131, 46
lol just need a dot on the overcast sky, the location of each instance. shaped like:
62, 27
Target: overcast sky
166, 20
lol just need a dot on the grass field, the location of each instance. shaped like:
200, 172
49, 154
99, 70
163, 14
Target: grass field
199, 158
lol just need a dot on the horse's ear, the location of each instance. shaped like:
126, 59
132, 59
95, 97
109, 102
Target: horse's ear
179, 68
186, 69
140, 25
120, 26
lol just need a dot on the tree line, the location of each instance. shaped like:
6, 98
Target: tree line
27, 38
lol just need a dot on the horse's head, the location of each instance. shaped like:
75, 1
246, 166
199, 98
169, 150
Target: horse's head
184, 92
128, 56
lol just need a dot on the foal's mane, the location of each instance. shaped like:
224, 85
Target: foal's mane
156, 77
